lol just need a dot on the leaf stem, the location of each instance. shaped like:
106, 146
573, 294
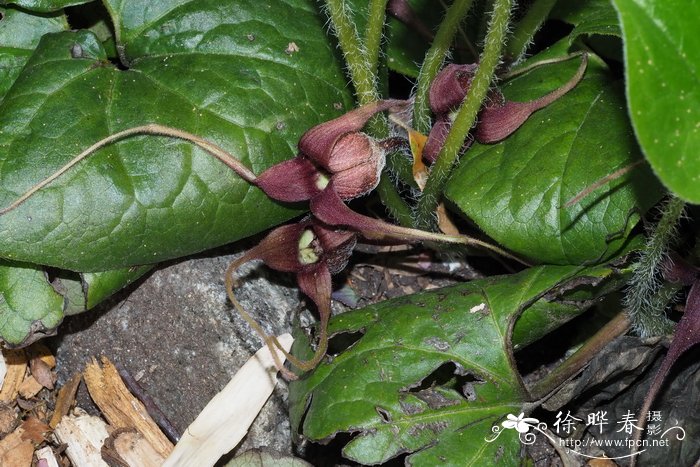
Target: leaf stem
527, 27
466, 116
572, 365
434, 59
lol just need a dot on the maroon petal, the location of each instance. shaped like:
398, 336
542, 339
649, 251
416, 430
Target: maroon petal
316, 284
497, 122
337, 246
330, 209
291, 181
450, 86
356, 164
280, 249
437, 137
318, 142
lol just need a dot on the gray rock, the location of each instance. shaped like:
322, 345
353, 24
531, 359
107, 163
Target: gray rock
176, 332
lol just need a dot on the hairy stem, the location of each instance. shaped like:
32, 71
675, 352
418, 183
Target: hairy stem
433, 62
373, 33
643, 307
466, 116
362, 64
527, 27
361, 74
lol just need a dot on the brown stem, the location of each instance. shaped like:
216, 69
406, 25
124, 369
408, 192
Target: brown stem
601, 182
150, 129
575, 363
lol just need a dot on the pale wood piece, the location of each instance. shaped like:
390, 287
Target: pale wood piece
129, 447
30, 387
15, 450
16, 362
84, 435
228, 416
120, 407
46, 454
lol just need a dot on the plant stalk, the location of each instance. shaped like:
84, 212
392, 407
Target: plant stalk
575, 363
362, 65
433, 62
466, 116
527, 27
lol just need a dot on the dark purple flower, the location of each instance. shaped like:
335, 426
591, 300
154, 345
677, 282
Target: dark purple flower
498, 118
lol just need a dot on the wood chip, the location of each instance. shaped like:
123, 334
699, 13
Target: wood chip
120, 407
65, 399
46, 458
16, 451
30, 387
226, 418
9, 418
16, 362
130, 448
84, 435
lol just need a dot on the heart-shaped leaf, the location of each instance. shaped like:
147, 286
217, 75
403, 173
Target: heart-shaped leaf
662, 53
20, 33
516, 190
429, 375
230, 76
28, 303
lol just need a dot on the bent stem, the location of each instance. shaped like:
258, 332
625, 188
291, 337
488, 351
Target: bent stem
151, 129
466, 117
575, 363
271, 341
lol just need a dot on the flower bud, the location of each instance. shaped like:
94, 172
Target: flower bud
356, 163
450, 86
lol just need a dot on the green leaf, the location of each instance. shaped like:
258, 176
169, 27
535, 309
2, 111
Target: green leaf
87, 290
29, 306
19, 35
220, 70
430, 374
44, 5
662, 53
516, 190
588, 17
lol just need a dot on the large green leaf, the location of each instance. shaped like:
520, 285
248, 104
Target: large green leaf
27, 303
44, 5
429, 376
19, 35
662, 56
516, 190
221, 70
588, 17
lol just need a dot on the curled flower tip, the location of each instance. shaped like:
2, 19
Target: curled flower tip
313, 252
293, 180
450, 86
319, 141
497, 121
